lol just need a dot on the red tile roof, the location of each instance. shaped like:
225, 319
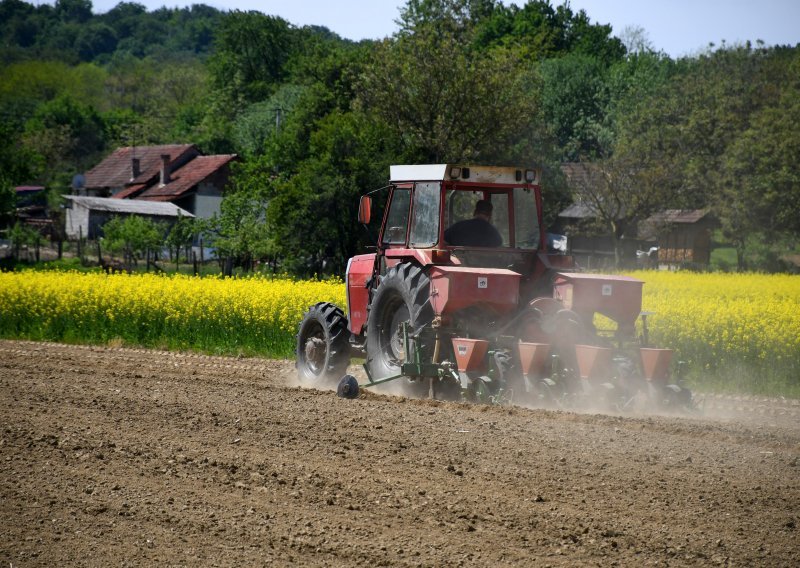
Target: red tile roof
129, 191
187, 177
115, 170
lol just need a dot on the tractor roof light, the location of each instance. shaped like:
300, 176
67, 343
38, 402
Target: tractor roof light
455, 172
530, 176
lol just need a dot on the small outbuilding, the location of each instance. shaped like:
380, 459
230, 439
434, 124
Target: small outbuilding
87, 215
683, 235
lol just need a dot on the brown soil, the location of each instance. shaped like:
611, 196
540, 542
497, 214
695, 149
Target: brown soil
130, 457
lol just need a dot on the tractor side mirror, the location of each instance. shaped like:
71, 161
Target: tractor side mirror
365, 209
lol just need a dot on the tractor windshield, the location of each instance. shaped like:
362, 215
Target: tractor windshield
492, 217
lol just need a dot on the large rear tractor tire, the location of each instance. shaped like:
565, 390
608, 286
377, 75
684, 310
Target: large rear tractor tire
323, 348
403, 295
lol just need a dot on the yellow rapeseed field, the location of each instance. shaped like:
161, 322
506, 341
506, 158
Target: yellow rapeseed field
729, 328
734, 330
224, 315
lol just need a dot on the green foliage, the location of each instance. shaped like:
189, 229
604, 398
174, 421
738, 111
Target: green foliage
78, 11
446, 103
540, 31
260, 121
251, 51
575, 101
760, 192
65, 132
69, 32
239, 232
22, 235
312, 212
181, 234
8, 202
133, 235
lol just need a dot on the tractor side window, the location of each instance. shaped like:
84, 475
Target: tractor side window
526, 219
425, 222
397, 219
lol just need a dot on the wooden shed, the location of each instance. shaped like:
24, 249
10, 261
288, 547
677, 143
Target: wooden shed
683, 235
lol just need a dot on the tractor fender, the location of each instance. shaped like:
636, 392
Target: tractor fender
360, 270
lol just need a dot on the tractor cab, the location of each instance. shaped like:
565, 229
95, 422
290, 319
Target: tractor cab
431, 215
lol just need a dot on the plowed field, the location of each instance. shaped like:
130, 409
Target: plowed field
122, 457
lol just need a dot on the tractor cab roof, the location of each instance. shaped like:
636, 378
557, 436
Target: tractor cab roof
463, 173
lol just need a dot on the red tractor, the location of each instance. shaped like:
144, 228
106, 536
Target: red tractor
462, 300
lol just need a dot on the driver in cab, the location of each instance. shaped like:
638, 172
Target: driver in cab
475, 232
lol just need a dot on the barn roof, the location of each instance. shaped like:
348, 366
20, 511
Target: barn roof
579, 210
129, 206
116, 169
678, 216
186, 177
669, 219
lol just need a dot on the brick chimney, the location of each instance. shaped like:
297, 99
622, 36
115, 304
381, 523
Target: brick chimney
136, 168
165, 169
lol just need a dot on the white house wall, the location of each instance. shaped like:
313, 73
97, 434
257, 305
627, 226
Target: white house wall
77, 221
207, 201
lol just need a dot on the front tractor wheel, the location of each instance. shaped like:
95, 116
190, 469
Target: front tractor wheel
323, 349
402, 296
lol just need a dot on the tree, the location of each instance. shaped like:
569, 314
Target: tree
251, 51
8, 202
575, 104
259, 121
133, 236
445, 103
539, 31
67, 134
312, 213
94, 40
611, 190
181, 235
759, 198
22, 235
636, 40
239, 233
17, 165
74, 10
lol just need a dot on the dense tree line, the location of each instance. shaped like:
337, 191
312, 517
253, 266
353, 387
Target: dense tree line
318, 119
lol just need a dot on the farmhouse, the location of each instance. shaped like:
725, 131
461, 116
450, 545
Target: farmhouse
174, 173
134, 167
87, 215
196, 187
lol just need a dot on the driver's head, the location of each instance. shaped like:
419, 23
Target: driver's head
483, 208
